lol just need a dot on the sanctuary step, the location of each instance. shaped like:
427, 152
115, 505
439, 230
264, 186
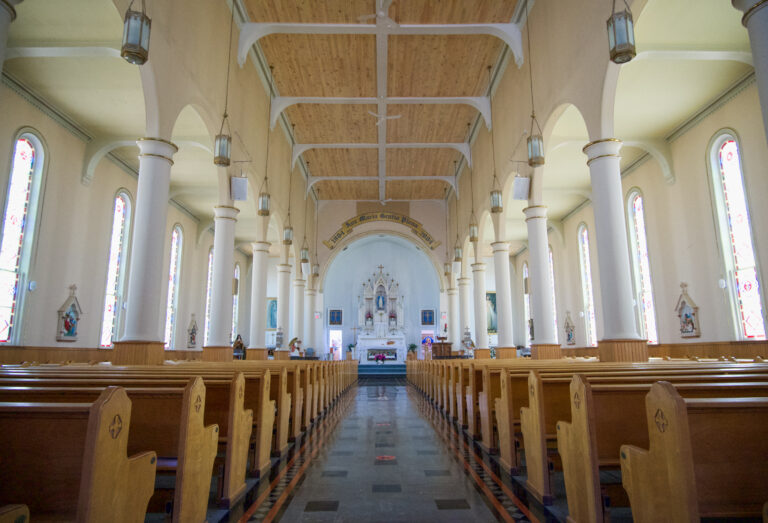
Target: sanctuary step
387, 369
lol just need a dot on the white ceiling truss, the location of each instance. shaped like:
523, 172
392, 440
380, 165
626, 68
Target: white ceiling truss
509, 33
462, 147
450, 180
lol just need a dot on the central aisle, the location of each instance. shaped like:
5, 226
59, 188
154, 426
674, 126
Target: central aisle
383, 455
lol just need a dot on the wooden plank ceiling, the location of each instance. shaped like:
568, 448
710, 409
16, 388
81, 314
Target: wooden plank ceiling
345, 66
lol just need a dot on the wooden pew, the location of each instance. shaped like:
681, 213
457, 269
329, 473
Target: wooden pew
707, 457
69, 460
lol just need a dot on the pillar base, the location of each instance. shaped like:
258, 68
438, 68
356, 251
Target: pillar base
623, 350
256, 354
506, 353
218, 353
482, 354
138, 353
282, 354
545, 351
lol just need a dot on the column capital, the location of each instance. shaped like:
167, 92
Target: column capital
284, 267
478, 267
299, 282
260, 246
535, 211
748, 7
500, 247
8, 4
225, 212
157, 148
310, 292
452, 291
463, 281
604, 148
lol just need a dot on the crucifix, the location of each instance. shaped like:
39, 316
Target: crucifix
381, 268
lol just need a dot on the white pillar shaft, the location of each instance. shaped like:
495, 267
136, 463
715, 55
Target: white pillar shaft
756, 21
298, 310
259, 296
7, 15
148, 276
503, 294
283, 299
481, 310
454, 324
309, 319
611, 234
539, 277
220, 328
464, 306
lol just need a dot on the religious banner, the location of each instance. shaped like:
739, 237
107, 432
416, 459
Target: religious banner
382, 216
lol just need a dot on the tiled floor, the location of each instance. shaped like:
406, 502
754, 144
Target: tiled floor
383, 454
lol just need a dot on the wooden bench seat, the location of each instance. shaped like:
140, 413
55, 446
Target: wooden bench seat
68, 461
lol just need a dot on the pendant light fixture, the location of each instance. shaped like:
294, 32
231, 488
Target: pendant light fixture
264, 198
457, 251
288, 229
316, 266
535, 139
497, 205
304, 252
473, 228
222, 146
136, 28
447, 265
621, 35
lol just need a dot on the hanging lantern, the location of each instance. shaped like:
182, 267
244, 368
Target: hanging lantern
535, 144
264, 200
496, 204
304, 254
316, 270
287, 235
473, 230
621, 35
222, 147
457, 260
136, 29
447, 268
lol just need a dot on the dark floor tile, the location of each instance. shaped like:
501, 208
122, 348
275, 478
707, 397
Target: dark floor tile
383, 432
386, 488
347, 438
342, 453
380, 462
426, 453
324, 506
423, 437
335, 473
384, 445
452, 504
432, 473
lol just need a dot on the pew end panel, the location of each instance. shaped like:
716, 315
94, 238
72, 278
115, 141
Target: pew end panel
238, 439
532, 426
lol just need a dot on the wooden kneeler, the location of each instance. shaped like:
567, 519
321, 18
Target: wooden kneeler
239, 436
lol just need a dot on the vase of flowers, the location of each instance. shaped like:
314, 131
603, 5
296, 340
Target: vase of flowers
379, 358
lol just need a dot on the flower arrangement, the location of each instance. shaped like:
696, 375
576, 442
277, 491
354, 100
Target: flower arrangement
368, 315
379, 358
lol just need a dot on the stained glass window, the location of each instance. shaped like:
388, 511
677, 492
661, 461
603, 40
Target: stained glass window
171, 308
235, 302
736, 235
18, 222
641, 266
207, 323
554, 300
526, 306
588, 300
115, 279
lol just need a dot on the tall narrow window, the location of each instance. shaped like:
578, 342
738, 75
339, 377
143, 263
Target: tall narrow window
209, 280
18, 228
113, 300
587, 297
736, 238
235, 302
641, 268
554, 299
171, 308
527, 306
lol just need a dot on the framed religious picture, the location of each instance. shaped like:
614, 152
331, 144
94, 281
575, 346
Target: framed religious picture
271, 314
427, 317
490, 311
335, 317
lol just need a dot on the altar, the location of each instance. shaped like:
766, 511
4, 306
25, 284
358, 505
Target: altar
380, 314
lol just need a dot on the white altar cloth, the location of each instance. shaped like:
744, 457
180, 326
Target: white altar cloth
365, 342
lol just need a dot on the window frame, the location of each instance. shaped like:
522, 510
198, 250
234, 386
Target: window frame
527, 312
551, 263
208, 298
237, 277
177, 285
588, 326
635, 268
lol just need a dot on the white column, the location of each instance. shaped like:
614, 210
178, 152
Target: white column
7, 15
464, 305
454, 323
148, 276
539, 278
611, 233
224, 218
259, 295
298, 310
309, 319
503, 294
283, 299
756, 21
481, 310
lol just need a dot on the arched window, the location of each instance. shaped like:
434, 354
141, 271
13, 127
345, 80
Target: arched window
641, 267
527, 305
587, 297
554, 299
171, 307
736, 238
207, 322
235, 302
18, 231
118, 250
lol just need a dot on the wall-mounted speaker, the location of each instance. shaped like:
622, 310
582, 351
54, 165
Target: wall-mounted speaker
520, 188
238, 188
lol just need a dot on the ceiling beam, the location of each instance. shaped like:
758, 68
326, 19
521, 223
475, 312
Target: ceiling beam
462, 147
450, 180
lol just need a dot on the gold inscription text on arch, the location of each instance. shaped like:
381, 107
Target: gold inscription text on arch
382, 216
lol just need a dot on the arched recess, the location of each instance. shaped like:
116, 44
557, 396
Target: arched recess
437, 264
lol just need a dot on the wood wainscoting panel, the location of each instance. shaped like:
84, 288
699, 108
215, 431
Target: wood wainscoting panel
218, 353
546, 351
138, 353
623, 350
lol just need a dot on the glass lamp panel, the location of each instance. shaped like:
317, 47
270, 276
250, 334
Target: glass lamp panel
473, 232
288, 235
304, 253
222, 149
264, 204
496, 203
535, 150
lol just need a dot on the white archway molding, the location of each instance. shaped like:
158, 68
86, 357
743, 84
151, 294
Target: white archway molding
202, 229
97, 149
301, 148
62, 52
744, 57
437, 265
